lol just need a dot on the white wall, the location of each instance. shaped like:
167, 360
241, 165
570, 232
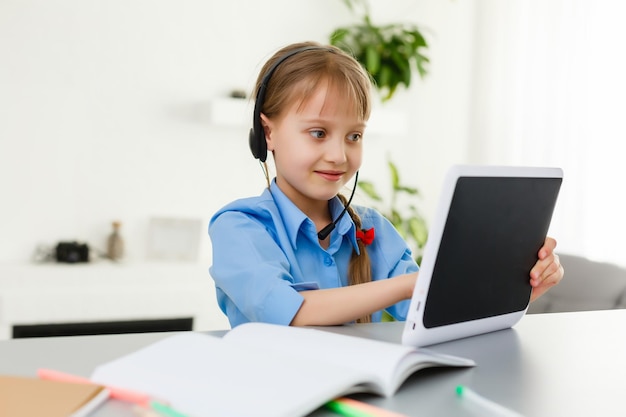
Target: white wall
103, 109
550, 90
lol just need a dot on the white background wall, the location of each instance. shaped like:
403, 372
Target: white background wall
549, 89
104, 109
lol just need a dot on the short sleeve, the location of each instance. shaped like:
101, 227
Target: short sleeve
250, 271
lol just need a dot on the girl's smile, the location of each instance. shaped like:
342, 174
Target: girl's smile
331, 175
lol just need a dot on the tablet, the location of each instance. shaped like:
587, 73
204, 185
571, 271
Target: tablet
489, 226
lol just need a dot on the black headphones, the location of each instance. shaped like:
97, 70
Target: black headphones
258, 145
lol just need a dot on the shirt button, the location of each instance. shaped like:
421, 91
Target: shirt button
328, 261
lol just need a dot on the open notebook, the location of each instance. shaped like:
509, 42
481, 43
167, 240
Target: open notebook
266, 370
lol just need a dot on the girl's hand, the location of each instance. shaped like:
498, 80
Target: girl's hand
548, 270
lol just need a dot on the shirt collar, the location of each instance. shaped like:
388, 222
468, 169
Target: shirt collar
293, 218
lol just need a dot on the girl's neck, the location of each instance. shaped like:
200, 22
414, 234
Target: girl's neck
316, 210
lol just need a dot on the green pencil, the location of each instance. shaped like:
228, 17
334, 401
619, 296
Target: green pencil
165, 410
346, 409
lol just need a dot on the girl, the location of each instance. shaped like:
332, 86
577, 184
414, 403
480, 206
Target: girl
300, 254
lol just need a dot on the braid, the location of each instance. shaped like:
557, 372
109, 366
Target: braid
359, 269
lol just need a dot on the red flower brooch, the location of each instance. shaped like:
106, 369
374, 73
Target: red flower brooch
365, 236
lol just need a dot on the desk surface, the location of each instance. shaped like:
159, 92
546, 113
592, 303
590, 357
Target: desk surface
560, 364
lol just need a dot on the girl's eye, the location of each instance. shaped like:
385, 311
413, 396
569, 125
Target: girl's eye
318, 134
354, 137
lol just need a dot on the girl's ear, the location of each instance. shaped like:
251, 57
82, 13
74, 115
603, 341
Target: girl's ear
267, 129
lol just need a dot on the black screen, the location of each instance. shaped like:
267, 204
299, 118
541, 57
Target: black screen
494, 229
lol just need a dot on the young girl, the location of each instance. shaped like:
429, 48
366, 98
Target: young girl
300, 254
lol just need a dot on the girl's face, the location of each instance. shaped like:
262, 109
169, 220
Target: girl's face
317, 147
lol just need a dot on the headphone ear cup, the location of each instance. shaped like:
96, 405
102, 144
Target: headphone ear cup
258, 147
257, 142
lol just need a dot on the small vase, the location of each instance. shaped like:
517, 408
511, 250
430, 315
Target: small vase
115, 244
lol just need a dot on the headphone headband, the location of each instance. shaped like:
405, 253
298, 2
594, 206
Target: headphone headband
258, 146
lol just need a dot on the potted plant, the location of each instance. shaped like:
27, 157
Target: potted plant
390, 53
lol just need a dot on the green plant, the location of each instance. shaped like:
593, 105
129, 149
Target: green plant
406, 219
390, 53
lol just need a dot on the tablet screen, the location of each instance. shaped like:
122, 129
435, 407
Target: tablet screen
494, 225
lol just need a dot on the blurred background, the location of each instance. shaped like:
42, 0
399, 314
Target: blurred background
120, 110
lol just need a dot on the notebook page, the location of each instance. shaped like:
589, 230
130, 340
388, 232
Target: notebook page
203, 376
379, 359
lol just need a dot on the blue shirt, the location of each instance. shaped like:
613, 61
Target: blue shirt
266, 250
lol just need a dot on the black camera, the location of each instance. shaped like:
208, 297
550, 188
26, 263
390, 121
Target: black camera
72, 252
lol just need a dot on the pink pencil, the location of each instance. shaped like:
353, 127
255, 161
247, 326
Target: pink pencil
368, 409
114, 392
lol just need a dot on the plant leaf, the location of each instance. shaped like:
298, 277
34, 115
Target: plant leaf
372, 59
408, 190
395, 178
338, 35
396, 220
369, 189
418, 230
421, 60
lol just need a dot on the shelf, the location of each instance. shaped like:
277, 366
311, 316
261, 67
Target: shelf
101, 292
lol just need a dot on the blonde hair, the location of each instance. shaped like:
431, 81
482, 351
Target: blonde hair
294, 80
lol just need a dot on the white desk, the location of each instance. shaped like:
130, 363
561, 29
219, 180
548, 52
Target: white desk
560, 364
